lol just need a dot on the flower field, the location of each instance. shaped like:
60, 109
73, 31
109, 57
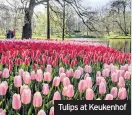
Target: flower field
35, 73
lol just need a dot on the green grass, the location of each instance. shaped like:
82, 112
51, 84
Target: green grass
118, 37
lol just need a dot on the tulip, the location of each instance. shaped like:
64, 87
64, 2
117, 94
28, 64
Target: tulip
89, 82
61, 70
66, 81
18, 81
21, 72
109, 97
127, 75
106, 73
41, 112
98, 74
77, 74
102, 88
56, 81
114, 92
62, 76
33, 75
26, 78
89, 94
2, 112
121, 82
39, 75
82, 86
86, 75
122, 94
45, 89
71, 72
56, 96
23, 87
5, 73
98, 80
51, 111
3, 88
70, 91
37, 99
26, 96
47, 77
64, 91
49, 68
16, 102
114, 77
88, 69
81, 69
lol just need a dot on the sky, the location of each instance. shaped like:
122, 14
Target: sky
91, 3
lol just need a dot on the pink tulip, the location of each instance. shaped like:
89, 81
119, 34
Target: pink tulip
81, 69
122, 94
66, 81
89, 83
45, 89
114, 92
121, 82
114, 77
106, 73
51, 111
102, 88
86, 75
16, 102
26, 78
98, 80
18, 81
49, 68
98, 74
2, 112
64, 91
39, 75
47, 77
23, 87
3, 88
33, 75
70, 91
37, 99
109, 97
68, 73
77, 74
21, 72
61, 70
41, 112
26, 96
82, 86
89, 94
71, 72
62, 76
56, 96
5, 73
127, 75
88, 69
56, 81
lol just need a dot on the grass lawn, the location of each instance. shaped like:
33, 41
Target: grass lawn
118, 37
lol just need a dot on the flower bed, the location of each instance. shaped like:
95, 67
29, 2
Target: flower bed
35, 73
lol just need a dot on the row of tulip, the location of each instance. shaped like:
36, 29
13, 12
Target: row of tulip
35, 73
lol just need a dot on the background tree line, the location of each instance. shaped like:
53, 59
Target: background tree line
65, 18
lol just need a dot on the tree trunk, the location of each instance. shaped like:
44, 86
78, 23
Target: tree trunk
48, 20
63, 29
27, 28
124, 15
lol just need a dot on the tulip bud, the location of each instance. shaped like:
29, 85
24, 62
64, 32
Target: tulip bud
47, 77
56, 81
16, 102
82, 86
66, 81
121, 82
88, 69
109, 97
89, 94
18, 81
102, 88
3, 88
5, 73
56, 96
70, 91
26, 96
37, 99
45, 89
77, 74
41, 112
51, 111
122, 94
